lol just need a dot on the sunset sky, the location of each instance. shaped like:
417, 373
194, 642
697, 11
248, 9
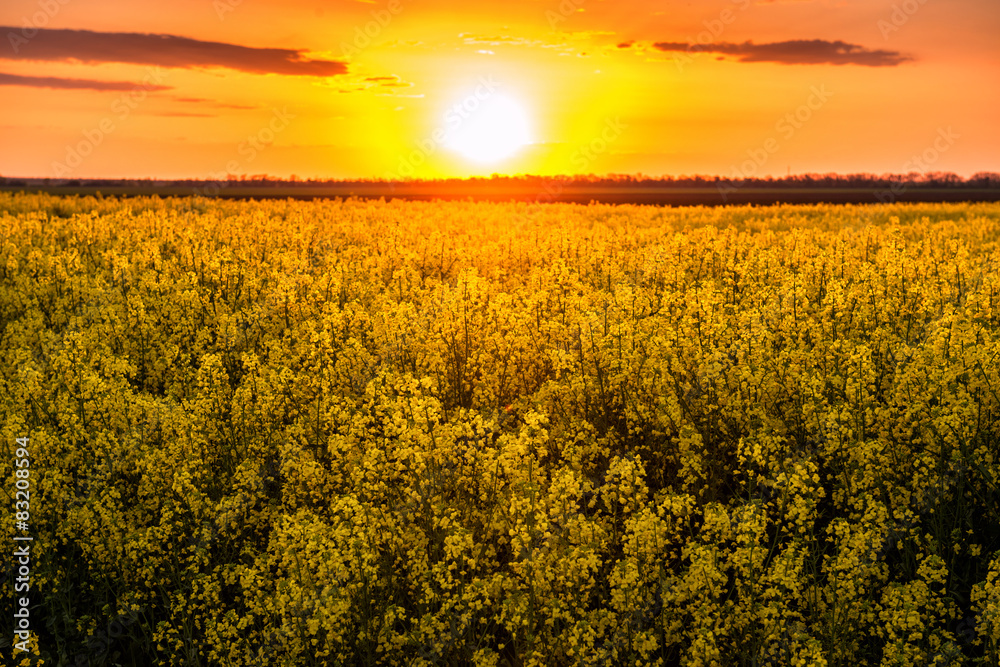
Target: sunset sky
429, 88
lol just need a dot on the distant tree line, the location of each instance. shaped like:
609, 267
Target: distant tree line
921, 180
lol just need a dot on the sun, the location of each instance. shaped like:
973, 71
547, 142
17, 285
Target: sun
487, 127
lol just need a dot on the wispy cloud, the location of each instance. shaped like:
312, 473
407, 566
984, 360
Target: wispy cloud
72, 84
508, 40
497, 40
184, 114
795, 52
214, 104
388, 81
166, 51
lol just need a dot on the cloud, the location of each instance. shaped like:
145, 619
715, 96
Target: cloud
374, 83
213, 103
73, 84
86, 46
496, 40
388, 81
204, 101
564, 42
796, 52
184, 114
588, 34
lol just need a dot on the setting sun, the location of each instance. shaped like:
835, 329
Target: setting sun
487, 128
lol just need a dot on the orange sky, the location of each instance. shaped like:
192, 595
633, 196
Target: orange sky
201, 88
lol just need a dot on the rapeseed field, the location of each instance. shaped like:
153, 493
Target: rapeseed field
425, 433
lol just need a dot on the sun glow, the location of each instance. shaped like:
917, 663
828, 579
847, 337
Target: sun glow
487, 128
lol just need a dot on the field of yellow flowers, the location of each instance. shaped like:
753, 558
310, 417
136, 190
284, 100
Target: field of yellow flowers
370, 433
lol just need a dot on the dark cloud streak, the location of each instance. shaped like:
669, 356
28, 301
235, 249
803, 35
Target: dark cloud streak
795, 52
89, 47
73, 84
213, 103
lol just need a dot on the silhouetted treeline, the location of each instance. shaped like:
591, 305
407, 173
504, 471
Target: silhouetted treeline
934, 180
